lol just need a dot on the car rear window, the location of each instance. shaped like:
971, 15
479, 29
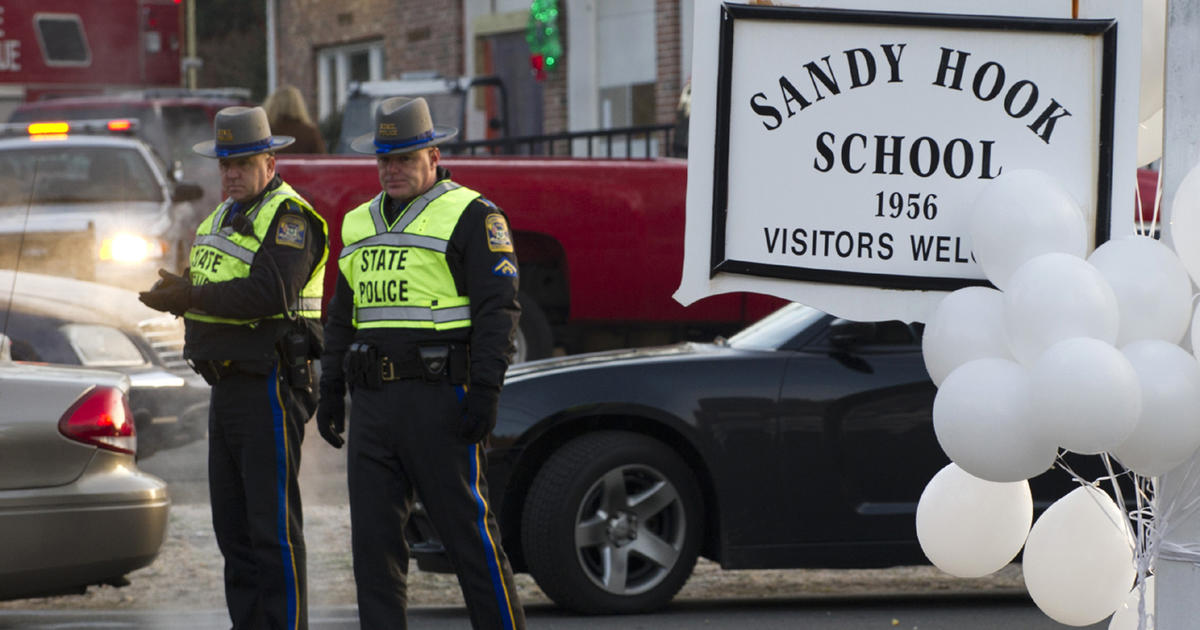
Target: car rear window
63, 174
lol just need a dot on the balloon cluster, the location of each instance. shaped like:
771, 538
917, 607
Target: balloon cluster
1071, 353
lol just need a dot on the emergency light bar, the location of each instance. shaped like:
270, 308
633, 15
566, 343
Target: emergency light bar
95, 126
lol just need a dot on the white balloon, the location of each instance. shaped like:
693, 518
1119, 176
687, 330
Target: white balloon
983, 421
1078, 562
1128, 615
1019, 215
1085, 395
968, 324
1154, 52
970, 527
1154, 293
1185, 222
1150, 138
1055, 297
1168, 430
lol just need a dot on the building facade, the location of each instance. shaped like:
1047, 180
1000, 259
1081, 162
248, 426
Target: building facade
625, 63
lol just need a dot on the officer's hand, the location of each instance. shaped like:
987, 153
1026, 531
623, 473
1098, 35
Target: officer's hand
172, 293
480, 416
331, 417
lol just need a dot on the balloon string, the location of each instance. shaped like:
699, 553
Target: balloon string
1157, 202
1141, 216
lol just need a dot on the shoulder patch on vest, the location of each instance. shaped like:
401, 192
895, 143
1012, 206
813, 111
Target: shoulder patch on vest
505, 268
499, 239
290, 231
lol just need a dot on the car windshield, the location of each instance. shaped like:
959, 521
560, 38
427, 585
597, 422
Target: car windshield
776, 329
73, 174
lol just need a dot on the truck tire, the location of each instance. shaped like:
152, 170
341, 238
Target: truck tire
534, 337
612, 524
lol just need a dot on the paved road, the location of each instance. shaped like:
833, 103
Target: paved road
778, 614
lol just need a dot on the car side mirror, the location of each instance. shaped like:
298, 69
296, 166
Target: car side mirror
186, 191
844, 332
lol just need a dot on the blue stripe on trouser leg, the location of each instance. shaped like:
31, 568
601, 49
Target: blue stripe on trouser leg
489, 545
279, 423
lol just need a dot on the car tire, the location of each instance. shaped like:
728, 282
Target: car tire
612, 524
534, 337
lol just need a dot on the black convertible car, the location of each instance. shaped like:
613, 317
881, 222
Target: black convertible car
802, 441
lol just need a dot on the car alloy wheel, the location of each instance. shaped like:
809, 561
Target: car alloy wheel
612, 523
629, 530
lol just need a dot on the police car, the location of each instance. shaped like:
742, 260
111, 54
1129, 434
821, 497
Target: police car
87, 199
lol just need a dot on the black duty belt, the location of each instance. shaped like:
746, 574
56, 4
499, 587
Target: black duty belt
365, 366
390, 370
213, 371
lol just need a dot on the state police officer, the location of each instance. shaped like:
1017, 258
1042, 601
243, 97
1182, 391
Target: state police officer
421, 328
252, 307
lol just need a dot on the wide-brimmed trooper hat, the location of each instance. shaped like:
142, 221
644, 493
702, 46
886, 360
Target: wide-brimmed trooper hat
241, 131
402, 125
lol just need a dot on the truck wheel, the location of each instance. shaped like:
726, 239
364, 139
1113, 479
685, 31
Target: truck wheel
534, 338
612, 524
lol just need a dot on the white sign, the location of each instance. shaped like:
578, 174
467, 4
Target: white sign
850, 144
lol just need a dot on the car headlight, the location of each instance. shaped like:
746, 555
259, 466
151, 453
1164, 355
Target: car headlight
98, 345
132, 248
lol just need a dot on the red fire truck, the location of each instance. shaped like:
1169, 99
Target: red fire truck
65, 47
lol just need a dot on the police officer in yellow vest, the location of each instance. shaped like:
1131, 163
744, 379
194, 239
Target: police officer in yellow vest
252, 308
421, 328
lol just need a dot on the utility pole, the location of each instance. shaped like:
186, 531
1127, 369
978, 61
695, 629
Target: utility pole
270, 46
191, 62
1177, 582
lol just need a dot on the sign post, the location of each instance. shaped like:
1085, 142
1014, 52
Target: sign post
1177, 581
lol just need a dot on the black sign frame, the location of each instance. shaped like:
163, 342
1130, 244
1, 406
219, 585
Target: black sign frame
1106, 29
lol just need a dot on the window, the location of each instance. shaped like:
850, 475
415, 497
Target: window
338, 66
627, 70
62, 40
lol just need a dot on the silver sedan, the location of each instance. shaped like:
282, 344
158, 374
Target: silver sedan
74, 508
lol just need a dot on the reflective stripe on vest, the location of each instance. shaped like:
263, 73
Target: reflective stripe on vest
399, 274
220, 254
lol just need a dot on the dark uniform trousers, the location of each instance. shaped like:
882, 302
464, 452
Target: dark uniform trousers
256, 426
402, 441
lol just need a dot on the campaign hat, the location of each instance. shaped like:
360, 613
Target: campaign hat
239, 132
402, 125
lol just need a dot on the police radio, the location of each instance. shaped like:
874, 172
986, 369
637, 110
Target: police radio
294, 346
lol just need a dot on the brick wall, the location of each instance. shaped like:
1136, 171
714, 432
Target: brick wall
554, 88
426, 35
668, 48
417, 35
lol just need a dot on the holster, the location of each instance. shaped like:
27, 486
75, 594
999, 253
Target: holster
361, 366
445, 361
294, 354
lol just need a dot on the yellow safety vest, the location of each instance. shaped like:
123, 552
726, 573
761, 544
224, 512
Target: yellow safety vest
220, 254
399, 273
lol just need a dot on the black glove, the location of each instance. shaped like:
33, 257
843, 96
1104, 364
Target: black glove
480, 417
172, 294
331, 415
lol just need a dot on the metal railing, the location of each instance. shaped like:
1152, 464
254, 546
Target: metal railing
645, 141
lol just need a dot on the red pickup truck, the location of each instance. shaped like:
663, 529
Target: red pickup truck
600, 244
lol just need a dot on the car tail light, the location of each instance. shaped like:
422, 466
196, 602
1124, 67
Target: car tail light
101, 417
